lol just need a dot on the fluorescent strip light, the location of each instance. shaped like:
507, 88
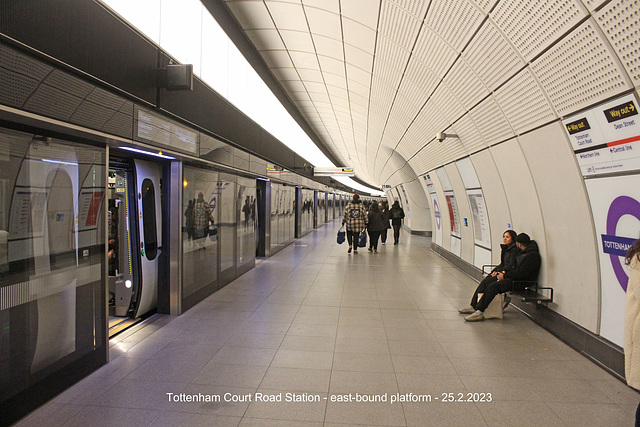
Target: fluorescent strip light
59, 162
148, 153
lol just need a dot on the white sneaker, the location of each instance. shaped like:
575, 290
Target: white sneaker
467, 310
475, 317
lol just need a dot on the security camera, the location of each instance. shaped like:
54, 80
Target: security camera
440, 136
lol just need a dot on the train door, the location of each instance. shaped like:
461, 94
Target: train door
135, 240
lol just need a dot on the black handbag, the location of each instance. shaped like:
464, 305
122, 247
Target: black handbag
341, 235
362, 240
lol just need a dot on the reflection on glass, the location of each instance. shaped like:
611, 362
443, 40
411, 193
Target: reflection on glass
51, 257
227, 224
247, 225
199, 231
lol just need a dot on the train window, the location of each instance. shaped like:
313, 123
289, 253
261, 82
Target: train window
149, 219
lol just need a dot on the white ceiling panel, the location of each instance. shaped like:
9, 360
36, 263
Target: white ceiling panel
304, 59
455, 21
358, 58
297, 41
251, 14
324, 23
288, 15
327, 46
266, 39
546, 21
277, 58
363, 11
372, 74
358, 35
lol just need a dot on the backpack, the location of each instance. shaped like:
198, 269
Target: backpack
396, 213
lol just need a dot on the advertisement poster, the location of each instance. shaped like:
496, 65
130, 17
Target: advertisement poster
453, 214
606, 138
481, 231
615, 203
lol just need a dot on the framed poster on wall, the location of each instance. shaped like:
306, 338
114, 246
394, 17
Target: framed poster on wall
481, 231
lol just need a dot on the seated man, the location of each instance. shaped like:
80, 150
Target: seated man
526, 268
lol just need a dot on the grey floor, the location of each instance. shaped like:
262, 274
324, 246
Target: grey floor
316, 322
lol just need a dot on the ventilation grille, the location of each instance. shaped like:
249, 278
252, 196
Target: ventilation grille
533, 25
457, 33
620, 21
398, 25
417, 8
52, 102
485, 5
491, 122
16, 88
465, 85
492, 57
523, 103
469, 135
579, 71
21, 64
593, 4
434, 52
447, 103
418, 82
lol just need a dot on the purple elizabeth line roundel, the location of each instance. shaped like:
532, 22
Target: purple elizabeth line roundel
436, 212
623, 205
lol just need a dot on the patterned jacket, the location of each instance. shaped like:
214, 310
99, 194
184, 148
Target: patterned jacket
201, 215
355, 217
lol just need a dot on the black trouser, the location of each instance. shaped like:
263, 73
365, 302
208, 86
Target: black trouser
373, 239
383, 236
490, 287
396, 233
352, 238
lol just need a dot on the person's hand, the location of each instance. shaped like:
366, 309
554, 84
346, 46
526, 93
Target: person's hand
494, 273
500, 276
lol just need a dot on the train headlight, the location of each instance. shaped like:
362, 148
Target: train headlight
127, 284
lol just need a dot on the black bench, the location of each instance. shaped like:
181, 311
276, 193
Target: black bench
531, 291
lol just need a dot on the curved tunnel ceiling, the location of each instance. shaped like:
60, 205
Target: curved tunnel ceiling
377, 79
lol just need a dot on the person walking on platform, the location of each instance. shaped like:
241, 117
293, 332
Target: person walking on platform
632, 322
355, 220
385, 219
375, 226
509, 251
397, 215
526, 269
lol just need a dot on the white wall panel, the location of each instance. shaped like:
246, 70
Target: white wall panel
522, 195
495, 199
466, 231
571, 258
420, 209
441, 215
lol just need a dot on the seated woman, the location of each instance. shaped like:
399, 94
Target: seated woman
509, 251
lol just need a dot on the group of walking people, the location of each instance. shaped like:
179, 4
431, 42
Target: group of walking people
376, 222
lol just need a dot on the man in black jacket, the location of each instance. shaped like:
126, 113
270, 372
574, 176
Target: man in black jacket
527, 268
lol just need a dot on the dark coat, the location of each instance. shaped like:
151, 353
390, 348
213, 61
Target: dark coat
507, 257
394, 212
376, 221
527, 264
385, 217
